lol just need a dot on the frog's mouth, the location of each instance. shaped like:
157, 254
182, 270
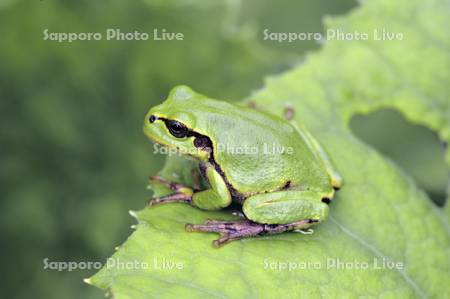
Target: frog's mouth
155, 129
172, 150
159, 126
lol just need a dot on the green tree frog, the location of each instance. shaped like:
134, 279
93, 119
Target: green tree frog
275, 171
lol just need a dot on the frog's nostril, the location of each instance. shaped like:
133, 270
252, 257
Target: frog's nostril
152, 118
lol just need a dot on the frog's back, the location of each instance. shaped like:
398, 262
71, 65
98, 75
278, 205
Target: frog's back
259, 152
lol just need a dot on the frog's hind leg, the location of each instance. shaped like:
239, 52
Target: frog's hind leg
235, 230
229, 230
318, 150
269, 213
287, 206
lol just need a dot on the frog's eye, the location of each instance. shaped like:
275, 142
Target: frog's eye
176, 128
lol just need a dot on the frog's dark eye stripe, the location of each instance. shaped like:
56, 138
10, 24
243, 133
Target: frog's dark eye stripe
176, 128
326, 200
202, 142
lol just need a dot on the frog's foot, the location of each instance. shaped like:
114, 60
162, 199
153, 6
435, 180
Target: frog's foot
229, 230
175, 197
235, 230
182, 192
171, 185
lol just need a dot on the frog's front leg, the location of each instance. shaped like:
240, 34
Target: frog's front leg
270, 213
216, 197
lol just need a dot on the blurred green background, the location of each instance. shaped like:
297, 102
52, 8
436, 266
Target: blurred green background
73, 158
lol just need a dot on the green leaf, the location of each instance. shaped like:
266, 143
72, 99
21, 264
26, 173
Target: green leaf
379, 217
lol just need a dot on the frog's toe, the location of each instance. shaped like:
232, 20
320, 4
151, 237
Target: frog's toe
225, 239
175, 197
171, 185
